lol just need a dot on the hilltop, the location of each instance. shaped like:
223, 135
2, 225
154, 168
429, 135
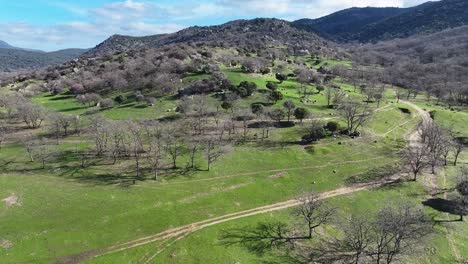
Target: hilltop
376, 24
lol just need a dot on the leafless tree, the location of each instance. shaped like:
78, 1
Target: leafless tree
457, 150
31, 114
356, 115
193, 146
289, 106
100, 131
3, 133
462, 189
304, 76
136, 140
174, 144
416, 158
43, 151
311, 213
214, 149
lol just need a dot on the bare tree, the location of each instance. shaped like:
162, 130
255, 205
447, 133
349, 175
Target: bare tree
458, 147
289, 106
174, 145
193, 147
356, 115
394, 231
417, 159
311, 214
43, 151
3, 134
100, 134
31, 114
136, 143
213, 150
462, 189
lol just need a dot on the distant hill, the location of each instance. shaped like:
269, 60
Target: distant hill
376, 24
239, 33
5, 45
343, 25
17, 59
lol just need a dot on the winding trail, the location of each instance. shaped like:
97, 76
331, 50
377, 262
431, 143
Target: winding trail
165, 239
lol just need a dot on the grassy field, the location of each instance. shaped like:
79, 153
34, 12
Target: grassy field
65, 209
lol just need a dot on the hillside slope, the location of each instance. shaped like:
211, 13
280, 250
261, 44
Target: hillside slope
376, 24
17, 59
240, 33
342, 25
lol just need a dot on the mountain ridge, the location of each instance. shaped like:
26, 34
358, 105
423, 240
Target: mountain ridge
429, 17
258, 31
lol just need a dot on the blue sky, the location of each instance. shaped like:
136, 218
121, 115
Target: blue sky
57, 24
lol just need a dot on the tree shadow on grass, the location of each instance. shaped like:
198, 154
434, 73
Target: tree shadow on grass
73, 109
445, 206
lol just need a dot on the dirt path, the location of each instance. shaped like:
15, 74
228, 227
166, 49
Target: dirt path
431, 179
168, 237
183, 231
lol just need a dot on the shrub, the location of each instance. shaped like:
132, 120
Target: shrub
151, 100
315, 134
139, 97
245, 89
120, 99
281, 77
276, 96
332, 126
272, 86
257, 109
226, 105
106, 103
301, 113
265, 70
77, 89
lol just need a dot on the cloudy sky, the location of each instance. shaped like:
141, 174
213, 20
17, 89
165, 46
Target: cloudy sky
57, 24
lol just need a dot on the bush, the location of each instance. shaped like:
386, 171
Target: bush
315, 134
106, 103
301, 113
257, 109
265, 71
139, 97
120, 99
332, 126
281, 77
151, 100
77, 89
245, 89
276, 96
226, 105
272, 86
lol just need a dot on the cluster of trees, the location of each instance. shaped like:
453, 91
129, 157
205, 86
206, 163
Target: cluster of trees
435, 149
156, 144
370, 238
19, 107
435, 64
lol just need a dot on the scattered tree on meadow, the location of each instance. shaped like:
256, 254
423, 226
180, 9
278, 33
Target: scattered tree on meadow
462, 189
355, 114
31, 114
275, 96
416, 157
3, 134
277, 114
290, 107
301, 113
